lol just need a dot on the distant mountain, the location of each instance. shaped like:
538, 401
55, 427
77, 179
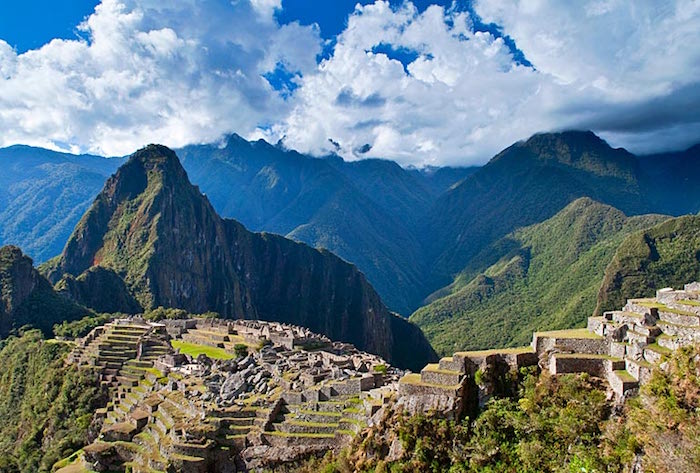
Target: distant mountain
162, 237
365, 212
528, 183
542, 277
411, 232
43, 194
666, 255
27, 298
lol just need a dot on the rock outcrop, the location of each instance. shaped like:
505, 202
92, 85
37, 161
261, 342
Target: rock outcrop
155, 230
100, 289
26, 297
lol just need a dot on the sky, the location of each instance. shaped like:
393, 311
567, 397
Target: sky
422, 82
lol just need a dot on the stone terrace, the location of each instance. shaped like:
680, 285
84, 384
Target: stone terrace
295, 394
622, 347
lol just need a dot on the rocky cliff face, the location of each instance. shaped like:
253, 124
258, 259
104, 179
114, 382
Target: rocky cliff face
26, 297
154, 229
100, 289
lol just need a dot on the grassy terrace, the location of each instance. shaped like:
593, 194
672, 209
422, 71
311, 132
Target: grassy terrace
299, 434
652, 304
659, 349
625, 376
414, 378
573, 333
194, 349
497, 351
586, 356
435, 368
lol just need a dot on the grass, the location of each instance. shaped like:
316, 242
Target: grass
625, 376
414, 378
587, 356
304, 435
690, 303
497, 351
573, 333
194, 350
435, 368
302, 423
659, 349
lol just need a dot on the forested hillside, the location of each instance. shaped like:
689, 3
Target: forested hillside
542, 277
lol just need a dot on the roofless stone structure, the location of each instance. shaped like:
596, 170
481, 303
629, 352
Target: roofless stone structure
297, 393
622, 347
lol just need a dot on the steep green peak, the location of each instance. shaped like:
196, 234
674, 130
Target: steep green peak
581, 150
159, 159
9, 255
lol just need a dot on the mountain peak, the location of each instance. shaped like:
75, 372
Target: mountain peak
159, 158
154, 230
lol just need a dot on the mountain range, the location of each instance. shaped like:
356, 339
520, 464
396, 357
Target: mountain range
151, 239
445, 237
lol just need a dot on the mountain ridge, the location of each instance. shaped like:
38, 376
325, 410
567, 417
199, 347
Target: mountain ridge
155, 230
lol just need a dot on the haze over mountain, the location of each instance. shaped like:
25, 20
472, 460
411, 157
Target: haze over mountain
155, 231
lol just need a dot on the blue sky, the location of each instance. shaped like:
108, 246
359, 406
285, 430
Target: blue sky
422, 82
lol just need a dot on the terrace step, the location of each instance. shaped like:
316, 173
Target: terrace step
432, 374
622, 382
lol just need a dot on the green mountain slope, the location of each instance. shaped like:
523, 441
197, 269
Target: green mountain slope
545, 276
528, 183
27, 298
46, 406
43, 194
667, 255
162, 237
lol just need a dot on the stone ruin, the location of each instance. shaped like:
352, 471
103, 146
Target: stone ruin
622, 347
298, 393
295, 394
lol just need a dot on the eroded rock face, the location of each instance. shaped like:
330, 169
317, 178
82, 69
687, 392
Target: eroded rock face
155, 230
18, 278
26, 297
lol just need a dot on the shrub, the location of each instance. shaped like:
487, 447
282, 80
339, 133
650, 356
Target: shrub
240, 349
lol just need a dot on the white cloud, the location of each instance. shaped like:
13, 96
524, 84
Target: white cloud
190, 71
464, 98
451, 105
151, 71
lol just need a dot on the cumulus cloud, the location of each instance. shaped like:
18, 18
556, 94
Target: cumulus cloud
460, 94
420, 87
152, 71
612, 66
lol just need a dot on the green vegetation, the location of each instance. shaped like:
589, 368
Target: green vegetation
162, 313
667, 255
240, 349
27, 298
45, 406
558, 424
544, 277
80, 328
664, 422
194, 349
